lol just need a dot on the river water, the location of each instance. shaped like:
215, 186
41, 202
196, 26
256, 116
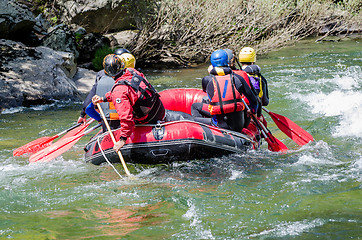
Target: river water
313, 192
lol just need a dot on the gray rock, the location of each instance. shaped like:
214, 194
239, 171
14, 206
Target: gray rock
99, 15
41, 25
34, 75
16, 22
123, 38
61, 38
84, 80
89, 44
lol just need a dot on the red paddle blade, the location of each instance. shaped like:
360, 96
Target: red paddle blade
56, 149
44, 142
291, 129
34, 146
275, 145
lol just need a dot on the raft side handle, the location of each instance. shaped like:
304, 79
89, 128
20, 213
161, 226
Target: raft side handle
160, 152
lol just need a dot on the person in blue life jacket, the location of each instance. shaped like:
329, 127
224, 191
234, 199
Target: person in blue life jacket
225, 90
247, 58
100, 74
100, 88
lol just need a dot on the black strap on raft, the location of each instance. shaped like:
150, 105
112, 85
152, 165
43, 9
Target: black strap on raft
225, 102
219, 92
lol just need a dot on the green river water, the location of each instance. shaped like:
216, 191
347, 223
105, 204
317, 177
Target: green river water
313, 192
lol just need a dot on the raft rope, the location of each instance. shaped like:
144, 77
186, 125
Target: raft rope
105, 157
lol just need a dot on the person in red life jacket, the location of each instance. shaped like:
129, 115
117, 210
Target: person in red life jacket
106, 83
225, 89
202, 109
247, 58
134, 98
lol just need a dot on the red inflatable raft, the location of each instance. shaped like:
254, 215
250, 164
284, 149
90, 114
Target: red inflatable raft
172, 141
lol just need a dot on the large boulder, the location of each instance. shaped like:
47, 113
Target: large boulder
61, 38
99, 15
89, 44
123, 38
16, 22
30, 76
84, 80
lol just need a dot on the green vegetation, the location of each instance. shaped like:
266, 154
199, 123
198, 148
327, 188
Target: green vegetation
99, 56
185, 30
48, 8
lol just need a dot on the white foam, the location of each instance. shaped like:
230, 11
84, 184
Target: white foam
339, 96
290, 228
345, 104
237, 174
13, 110
196, 223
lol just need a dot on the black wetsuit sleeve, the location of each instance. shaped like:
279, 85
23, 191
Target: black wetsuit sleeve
88, 99
205, 81
265, 97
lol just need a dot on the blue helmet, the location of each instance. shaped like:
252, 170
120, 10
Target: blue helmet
219, 58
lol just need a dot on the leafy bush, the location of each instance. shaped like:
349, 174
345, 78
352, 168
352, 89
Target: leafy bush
185, 30
99, 56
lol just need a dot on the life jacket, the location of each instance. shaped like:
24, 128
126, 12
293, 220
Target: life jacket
148, 99
105, 85
254, 72
244, 75
226, 97
247, 80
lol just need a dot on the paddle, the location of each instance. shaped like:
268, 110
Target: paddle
291, 129
43, 142
274, 144
113, 139
61, 146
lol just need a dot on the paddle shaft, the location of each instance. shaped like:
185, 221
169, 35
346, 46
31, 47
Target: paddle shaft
261, 129
69, 129
274, 144
113, 139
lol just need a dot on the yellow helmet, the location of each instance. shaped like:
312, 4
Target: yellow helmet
128, 59
247, 54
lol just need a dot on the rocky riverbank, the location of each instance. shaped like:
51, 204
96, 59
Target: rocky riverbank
40, 63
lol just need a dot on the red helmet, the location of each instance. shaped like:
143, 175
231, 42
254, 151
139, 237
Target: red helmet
113, 65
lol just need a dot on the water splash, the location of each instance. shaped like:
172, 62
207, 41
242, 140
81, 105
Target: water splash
343, 100
290, 228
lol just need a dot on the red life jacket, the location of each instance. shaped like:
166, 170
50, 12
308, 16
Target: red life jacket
148, 99
244, 75
247, 80
226, 97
